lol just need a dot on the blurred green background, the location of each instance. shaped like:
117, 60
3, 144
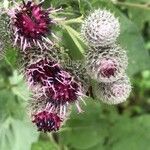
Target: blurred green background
100, 127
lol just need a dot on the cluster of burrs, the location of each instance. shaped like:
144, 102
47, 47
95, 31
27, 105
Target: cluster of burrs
106, 61
55, 83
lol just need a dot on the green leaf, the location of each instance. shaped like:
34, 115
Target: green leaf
73, 42
139, 15
85, 130
44, 144
132, 134
84, 5
11, 56
128, 133
16, 135
131, 39
19, 87
10, 105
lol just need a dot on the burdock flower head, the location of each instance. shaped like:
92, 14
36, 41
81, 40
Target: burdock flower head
46, 116
54, 82
47, 121
106, 64
115, 92
31, 25
101, 28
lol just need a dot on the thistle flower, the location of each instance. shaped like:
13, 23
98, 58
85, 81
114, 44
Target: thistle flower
40, 70
100, 28
54, 82
115, 92
46, 121
31, 25
46, 116
106, 64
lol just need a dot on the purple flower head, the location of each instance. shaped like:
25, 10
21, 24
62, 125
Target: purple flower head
46, 121
65, 89
31, 25
42, 71
58, 85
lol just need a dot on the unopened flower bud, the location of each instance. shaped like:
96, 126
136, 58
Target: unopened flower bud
106, 64
101, 28
115, 92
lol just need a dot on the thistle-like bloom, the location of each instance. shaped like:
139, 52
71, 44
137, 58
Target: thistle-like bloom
31, 25
47, 121
41, 70
54, 82
115, 92
46, 116
101, 28
106, 64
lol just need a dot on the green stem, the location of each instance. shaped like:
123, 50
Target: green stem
140, 6
71, 21
77, 20
52, 140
